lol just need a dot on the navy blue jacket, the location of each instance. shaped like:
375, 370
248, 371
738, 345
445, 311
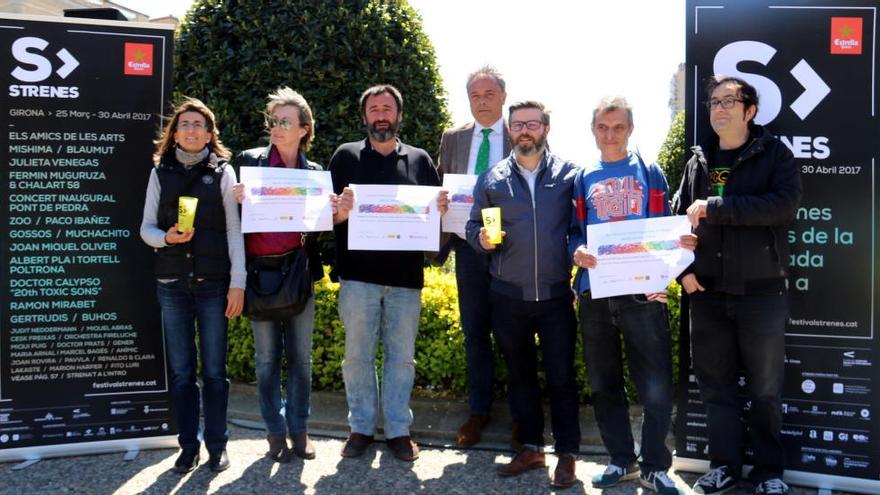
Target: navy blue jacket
532, 262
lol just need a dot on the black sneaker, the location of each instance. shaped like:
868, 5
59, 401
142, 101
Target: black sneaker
773, 486
218, 461
716, 481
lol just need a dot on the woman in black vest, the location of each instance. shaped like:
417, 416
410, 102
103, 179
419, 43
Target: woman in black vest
290, 125
200, 274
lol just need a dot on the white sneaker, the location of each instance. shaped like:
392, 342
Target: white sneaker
714, 482
773, 486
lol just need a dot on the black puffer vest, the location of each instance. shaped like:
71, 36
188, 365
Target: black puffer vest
207, 254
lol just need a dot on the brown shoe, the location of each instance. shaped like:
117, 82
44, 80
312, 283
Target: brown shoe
302, 446
563, 476
356, 445
515, 443
470, 431
526, 460
278, 450
403, 448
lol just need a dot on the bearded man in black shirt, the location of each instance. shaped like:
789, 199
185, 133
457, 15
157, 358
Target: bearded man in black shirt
379, 291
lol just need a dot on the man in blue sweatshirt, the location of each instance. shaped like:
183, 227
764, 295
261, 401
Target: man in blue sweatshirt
622, 187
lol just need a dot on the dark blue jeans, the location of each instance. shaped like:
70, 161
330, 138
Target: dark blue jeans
515, 323
273, 340
184, 304
472, 278
727, 330
644, 326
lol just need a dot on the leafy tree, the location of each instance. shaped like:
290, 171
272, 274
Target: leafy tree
232, 53
673, 153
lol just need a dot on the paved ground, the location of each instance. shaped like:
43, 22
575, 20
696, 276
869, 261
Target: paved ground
440, 469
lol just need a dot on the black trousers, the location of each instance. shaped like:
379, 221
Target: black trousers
515, 323
727, 329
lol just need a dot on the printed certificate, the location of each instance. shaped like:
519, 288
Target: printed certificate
286, 200
394, 218
461, 199
637, 256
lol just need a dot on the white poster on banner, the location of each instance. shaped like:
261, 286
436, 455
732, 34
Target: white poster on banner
637, 256
461, 200
286, 200
394, 218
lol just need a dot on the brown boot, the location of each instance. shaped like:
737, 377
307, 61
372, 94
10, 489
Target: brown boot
526, 460
470, 432
278, 450
302, 446
564, 476
356, 445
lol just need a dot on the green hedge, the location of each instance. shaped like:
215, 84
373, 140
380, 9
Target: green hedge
440, 356
231, 54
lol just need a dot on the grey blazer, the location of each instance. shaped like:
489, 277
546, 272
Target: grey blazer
455, 149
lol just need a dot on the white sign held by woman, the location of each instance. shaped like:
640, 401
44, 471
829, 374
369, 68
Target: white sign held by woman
286, 200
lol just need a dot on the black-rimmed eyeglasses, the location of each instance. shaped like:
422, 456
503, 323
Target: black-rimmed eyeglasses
725, 103
532, 125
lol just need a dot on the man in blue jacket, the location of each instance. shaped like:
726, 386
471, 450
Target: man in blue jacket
621, 187
529, 291
740, 190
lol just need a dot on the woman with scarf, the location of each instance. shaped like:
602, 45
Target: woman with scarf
200, 273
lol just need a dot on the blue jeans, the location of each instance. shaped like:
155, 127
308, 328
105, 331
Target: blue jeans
644, 326
472, 278
368, 312
515, 323
184, 304
726, 330
293, 336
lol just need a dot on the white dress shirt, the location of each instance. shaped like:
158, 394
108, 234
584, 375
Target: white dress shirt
496, 145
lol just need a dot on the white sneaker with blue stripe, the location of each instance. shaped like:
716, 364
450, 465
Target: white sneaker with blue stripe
660, 482
614, 474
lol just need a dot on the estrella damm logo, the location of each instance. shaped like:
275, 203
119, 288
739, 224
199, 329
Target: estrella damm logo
138, 59
846, 35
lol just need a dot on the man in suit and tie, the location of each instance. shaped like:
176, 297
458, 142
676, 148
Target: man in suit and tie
471, 149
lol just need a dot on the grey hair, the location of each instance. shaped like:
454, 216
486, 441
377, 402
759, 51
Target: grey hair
486, 71
610, 104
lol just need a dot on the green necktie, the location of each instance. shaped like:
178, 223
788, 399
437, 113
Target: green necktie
483, 153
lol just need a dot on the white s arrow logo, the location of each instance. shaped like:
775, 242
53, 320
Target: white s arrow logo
815, 89
23, 49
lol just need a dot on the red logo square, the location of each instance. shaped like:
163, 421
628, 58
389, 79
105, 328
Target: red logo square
846, 35
138, 59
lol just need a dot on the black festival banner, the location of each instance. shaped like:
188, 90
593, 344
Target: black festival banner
814, 64
82, 363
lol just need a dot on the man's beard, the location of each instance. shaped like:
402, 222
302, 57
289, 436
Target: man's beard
531, 148
383, 135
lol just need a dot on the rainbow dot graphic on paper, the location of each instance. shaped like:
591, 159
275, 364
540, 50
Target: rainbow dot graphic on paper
462, 198
286, 191
638, 247
395, 209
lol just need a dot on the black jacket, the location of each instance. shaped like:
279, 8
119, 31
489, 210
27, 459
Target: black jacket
259, 157
743, 247
207, 255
